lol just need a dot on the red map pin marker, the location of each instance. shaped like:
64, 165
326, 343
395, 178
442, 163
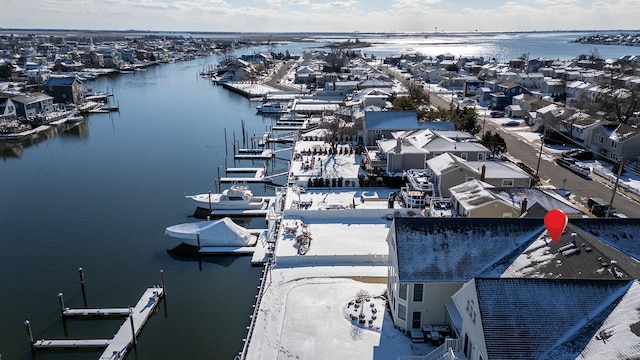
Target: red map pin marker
555, 221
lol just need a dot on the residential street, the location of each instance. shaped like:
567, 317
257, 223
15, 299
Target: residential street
553, 174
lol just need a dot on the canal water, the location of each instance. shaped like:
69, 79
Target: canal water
99, 196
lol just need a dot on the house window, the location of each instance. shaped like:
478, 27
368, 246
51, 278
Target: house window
599, 138
614, 144
480, 157
403, 292
417, 292
614, 156
507, 182
402, 312
463, 156
416, 320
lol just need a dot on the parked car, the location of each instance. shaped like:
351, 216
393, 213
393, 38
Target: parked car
579, 154
497, 114
512, 123
599, 207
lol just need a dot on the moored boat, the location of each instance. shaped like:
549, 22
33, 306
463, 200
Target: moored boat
235, 197
220, 233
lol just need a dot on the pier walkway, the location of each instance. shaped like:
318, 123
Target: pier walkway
116, 347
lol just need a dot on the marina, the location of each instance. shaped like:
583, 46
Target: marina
116, 347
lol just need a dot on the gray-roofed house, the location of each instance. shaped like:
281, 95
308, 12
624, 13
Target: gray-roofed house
380, 124
7, 109
527, 297
431, 258
477, 199
448, 170
412, 149
520, 318
616, 141
33, 104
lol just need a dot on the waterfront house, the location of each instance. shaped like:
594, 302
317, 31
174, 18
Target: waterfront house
478, 199
431, 258
506, 316
595, 261
613, 142
65, 90
7, 109
448, 170
379, 125
33, 104
412, 149
509, 303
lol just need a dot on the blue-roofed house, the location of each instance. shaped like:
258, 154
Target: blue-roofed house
380, 124
65, 90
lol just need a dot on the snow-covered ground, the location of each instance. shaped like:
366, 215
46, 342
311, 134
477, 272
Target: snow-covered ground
306, 313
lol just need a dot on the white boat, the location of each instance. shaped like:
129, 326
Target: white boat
75, 118
271, 108
220, 233
237, 197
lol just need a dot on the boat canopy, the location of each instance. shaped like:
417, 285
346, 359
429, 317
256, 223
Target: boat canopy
222, 232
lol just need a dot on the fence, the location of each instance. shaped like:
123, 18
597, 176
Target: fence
612, 178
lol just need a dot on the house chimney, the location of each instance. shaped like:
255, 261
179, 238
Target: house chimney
573, 238
523, 206
483, 172
398, 148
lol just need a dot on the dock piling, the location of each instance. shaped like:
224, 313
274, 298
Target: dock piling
29, 333
133, 328
61, 299
162, 282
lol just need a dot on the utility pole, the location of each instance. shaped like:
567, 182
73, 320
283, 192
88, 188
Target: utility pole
544, 134
615, 187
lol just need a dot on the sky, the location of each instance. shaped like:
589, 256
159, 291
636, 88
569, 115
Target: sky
322, 16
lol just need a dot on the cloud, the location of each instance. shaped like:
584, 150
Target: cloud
334, 4
557, 2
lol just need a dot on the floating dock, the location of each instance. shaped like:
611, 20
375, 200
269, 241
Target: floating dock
116, 347
262, 155
260, 252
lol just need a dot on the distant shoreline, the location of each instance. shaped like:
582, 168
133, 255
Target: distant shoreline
284, 36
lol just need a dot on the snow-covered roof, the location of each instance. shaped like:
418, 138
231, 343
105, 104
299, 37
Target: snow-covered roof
547, 200
528, 318
498, 169
441, 163
579, 256
472, 194
621, 234
457, 249
616, 332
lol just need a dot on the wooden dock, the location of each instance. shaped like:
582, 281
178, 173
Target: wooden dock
263, 155
116, 347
